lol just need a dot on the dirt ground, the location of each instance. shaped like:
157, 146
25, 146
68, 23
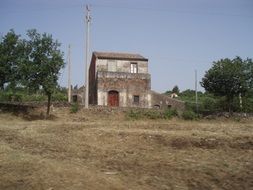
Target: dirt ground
104, 150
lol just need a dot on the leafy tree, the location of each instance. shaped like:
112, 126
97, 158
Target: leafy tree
168, 92
45, 60
175, 89
11, 54
190, 94
249, 73
229, 78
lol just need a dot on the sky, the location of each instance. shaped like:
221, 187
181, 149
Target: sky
177, 36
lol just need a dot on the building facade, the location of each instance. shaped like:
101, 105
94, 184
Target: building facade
119, 80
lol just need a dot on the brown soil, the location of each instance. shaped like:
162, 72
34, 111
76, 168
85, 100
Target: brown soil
99, 149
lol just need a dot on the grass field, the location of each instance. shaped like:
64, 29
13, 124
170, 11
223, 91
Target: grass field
104, 150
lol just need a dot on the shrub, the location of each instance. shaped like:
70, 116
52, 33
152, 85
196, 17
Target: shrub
169, 113
189, 115
134, 114
10, 96
74, 108
60, 97
208, 103
17, 97
5, 96
34, 97
152, 114
248, 105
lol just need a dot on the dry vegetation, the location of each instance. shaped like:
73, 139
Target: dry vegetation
104, 150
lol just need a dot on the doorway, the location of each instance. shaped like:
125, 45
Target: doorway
113, 98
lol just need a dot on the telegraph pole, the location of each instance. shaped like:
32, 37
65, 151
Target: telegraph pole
69, 75
196, 92
88, 20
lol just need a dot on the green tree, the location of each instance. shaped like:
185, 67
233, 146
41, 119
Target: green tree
45, 60
175, 89
229, 78
11, 55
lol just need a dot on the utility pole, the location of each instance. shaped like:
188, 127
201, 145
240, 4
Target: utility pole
196, 92
88, 20
69, 76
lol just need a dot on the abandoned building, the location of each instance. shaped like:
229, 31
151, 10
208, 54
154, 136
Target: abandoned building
122, 80
119, 79
77, 94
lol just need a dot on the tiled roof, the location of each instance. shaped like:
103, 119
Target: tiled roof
124, 56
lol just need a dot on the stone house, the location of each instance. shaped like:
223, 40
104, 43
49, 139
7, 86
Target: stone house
122, 80
119, 79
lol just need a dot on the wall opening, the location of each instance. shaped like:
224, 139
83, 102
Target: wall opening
136, 99
156, 106
74, 98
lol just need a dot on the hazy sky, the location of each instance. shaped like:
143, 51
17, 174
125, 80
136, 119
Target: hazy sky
177, 36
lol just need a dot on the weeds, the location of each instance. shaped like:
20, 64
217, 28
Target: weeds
189, 115
74, 108
152, 114
169, 113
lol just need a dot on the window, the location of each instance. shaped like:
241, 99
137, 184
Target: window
74, 97
112, 65
136, 99
134, 68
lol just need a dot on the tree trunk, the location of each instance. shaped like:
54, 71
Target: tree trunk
48, 103
1, 86
230, 101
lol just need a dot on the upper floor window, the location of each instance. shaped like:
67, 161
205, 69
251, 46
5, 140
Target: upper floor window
134, 68
112, 65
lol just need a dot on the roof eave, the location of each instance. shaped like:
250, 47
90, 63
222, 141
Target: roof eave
122, 58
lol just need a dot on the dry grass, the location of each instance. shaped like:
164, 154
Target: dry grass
103, 150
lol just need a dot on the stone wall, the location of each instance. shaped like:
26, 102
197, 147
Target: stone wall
121, 65
128, 85
162, 101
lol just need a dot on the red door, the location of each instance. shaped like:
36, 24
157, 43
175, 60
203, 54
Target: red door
113, 98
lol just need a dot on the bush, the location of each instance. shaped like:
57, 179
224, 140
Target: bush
60, 97
5, 96
169, 113
74, 108
34, 97
24, 96
152, 114
248, 105
134, 114
189, 115
10, 96
209, 104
